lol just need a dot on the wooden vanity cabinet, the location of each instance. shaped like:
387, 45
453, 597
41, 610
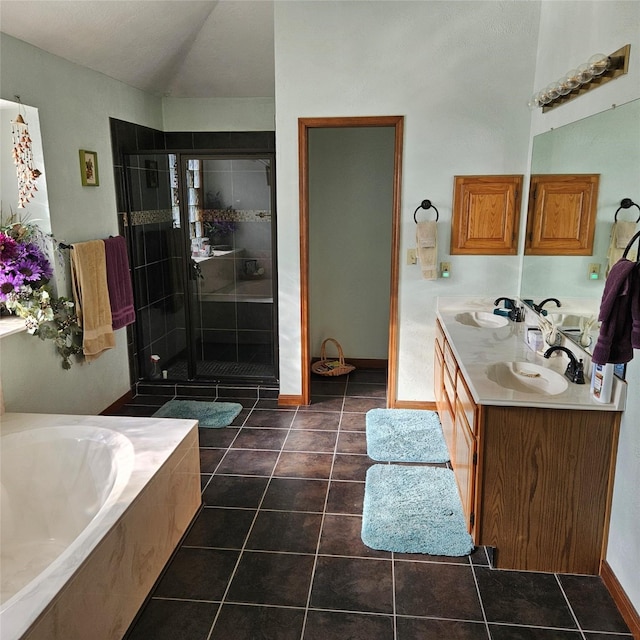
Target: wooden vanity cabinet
545, 484
535, 483
456, 410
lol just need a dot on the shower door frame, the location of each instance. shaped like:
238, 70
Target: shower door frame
182, 157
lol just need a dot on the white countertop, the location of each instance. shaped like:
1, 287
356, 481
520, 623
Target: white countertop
476, 348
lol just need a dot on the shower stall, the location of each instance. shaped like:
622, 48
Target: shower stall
201, 228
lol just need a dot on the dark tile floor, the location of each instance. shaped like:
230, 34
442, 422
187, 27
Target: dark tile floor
275, 553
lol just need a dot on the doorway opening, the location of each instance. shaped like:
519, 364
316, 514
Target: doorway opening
305, 127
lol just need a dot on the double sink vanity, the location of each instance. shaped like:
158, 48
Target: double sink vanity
532, 451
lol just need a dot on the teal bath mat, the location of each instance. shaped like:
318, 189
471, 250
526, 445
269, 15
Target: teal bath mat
210, 414
414, 510
405, 435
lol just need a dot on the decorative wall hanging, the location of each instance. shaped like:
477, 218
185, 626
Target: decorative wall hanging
89, 168
23, 159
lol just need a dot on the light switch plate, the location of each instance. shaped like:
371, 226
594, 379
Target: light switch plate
412, 256
594, 271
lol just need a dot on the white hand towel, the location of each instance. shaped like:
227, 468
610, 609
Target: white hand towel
621, 234
427, 248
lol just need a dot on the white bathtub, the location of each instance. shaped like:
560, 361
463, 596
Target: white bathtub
91, 509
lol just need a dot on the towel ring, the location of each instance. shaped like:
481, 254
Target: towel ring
426, 204
626, 203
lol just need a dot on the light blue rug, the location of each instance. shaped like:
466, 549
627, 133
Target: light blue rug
405, 435
414, 510
210, 414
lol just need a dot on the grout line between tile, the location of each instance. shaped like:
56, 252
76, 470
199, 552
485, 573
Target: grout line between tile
484, 614
573, 614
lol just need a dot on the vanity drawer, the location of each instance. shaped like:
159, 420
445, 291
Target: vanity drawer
449, 390
450, 363
466, 402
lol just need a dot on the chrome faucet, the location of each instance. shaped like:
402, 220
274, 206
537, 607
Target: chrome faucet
575, 368
540, 310
511, 310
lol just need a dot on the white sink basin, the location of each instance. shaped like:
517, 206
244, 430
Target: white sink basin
527, 378
481, 319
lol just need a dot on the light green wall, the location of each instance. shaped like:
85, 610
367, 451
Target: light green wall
218, 114
350, 208
461, 74
74, 105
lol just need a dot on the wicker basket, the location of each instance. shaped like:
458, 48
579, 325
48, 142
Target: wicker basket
331, 367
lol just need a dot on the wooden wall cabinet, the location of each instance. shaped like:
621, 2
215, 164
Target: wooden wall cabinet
561, 217
486, 215
535, 483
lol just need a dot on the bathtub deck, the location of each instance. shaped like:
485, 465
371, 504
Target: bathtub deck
121, 559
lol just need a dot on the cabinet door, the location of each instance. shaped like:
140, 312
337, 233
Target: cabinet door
464, 467
447, 416
486, 215
562, 215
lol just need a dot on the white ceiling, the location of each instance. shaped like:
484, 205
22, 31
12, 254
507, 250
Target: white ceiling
181, 48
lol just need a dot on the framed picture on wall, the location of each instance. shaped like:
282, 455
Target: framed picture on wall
89, 168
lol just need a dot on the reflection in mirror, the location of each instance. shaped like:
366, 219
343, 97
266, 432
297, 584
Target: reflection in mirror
608, 144
37, 209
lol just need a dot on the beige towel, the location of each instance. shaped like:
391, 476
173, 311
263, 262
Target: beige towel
427, 248
91, 295
621, 234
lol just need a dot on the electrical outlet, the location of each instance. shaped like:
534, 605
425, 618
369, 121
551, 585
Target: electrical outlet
412, 256
445, 269
594, 271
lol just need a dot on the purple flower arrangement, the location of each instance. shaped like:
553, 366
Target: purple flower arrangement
24, 273
220, 227
22, 263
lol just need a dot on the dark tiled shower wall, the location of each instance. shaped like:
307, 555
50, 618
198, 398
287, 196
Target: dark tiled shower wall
155, 253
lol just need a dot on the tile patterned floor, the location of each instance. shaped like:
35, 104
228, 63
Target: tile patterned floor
275, 553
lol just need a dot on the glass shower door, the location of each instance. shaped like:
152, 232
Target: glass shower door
228, 216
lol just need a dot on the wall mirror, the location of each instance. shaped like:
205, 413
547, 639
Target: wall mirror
607, 144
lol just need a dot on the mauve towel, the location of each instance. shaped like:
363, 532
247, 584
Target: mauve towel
119, 282
620, 315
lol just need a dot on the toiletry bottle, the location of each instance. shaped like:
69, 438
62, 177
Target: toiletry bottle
602, 381
154, 370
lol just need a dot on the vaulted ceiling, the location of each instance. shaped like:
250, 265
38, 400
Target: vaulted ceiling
178, 48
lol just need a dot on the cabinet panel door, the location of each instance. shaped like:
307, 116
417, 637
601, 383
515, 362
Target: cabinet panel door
562, 215
448, 415
464, 467
466, 402
486, 215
